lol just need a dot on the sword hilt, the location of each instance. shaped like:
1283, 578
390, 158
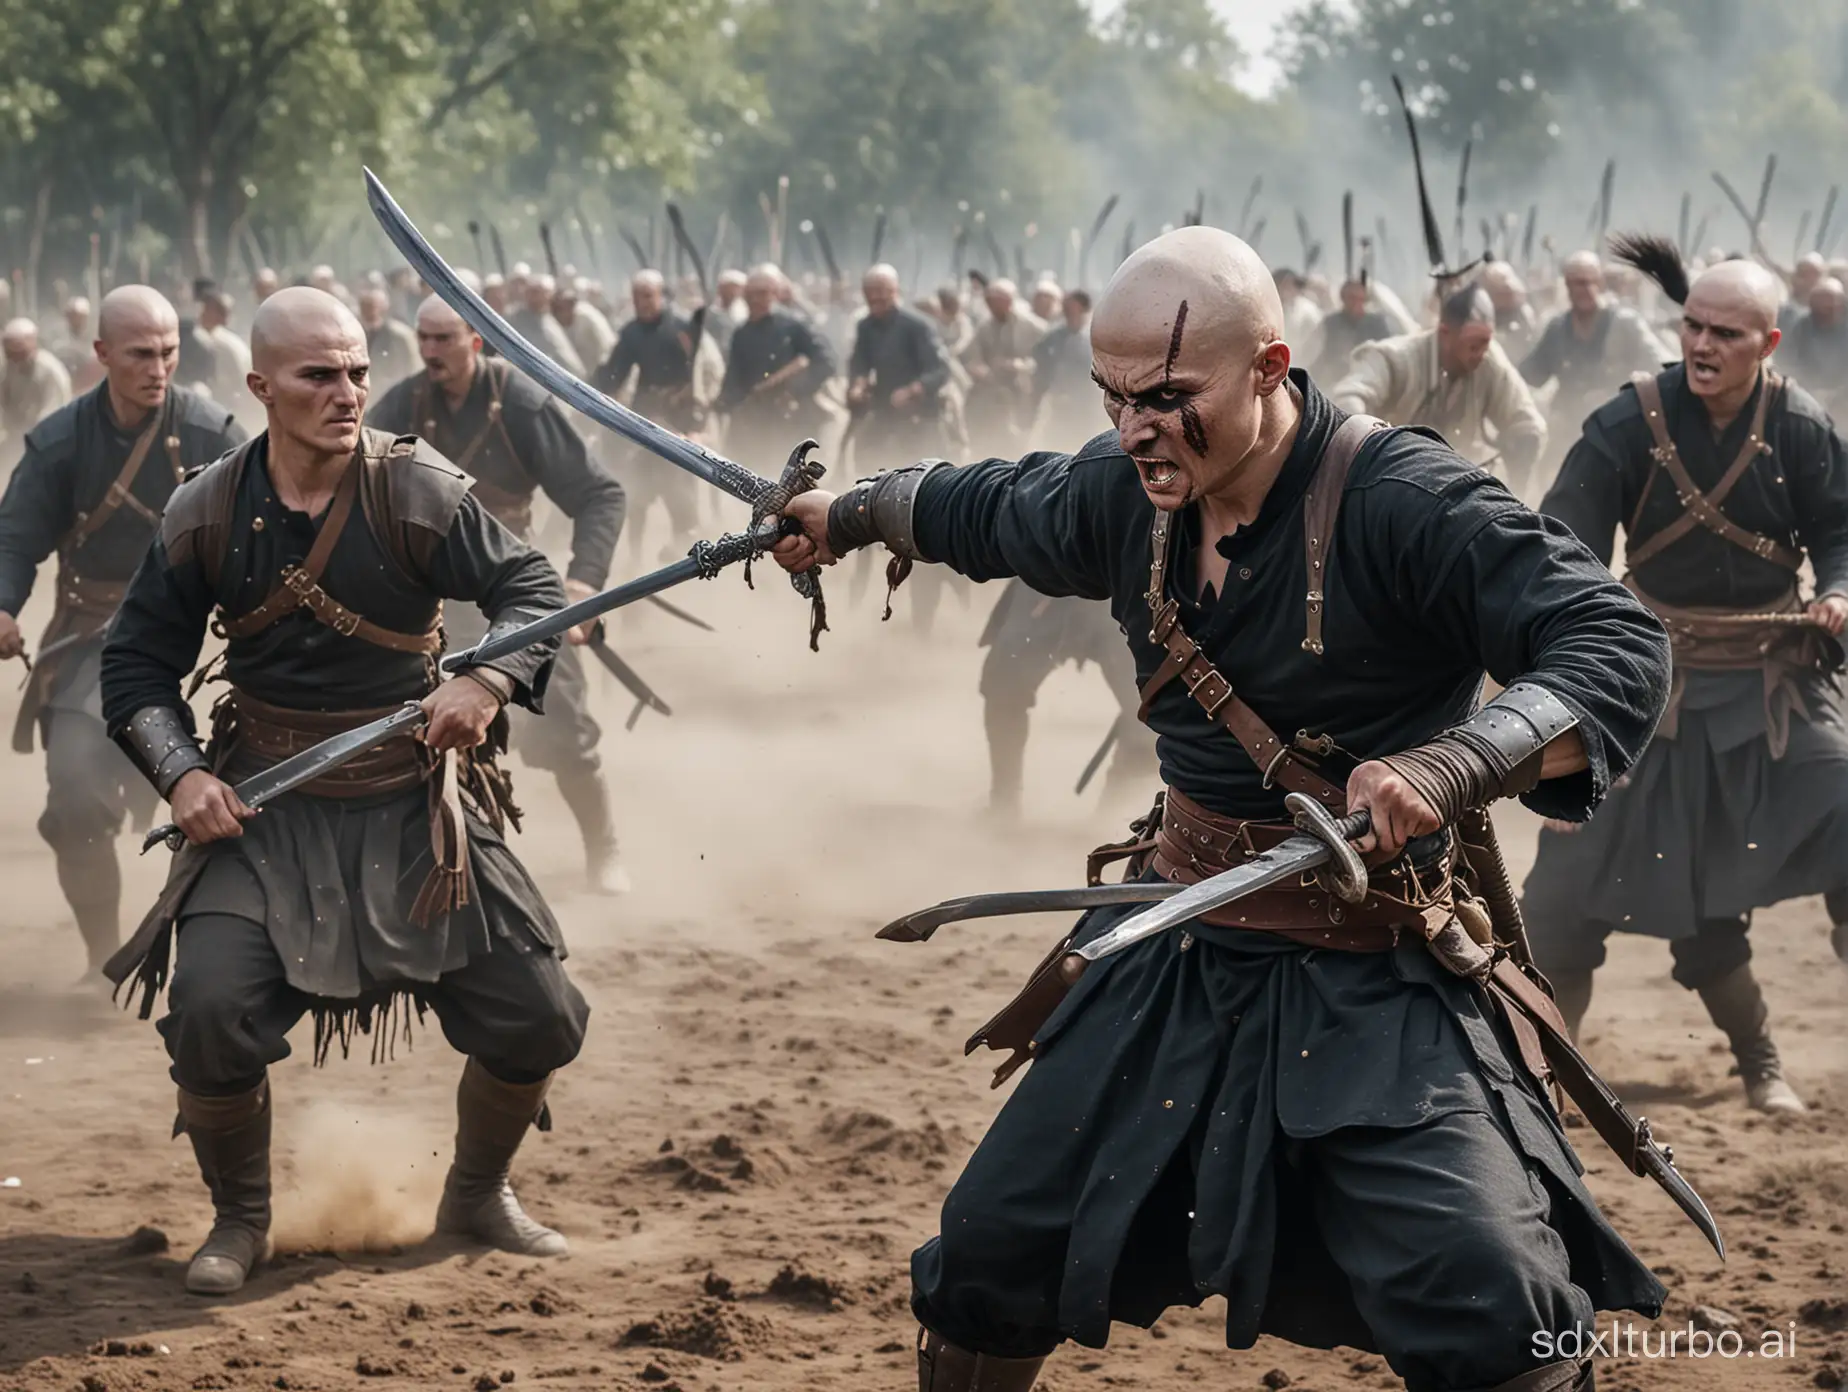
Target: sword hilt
172, 835
1346, 871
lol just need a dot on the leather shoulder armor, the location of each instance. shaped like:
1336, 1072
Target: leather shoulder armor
197, 521
411, 495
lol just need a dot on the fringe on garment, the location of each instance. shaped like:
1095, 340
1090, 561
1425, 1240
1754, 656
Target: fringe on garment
384, 1019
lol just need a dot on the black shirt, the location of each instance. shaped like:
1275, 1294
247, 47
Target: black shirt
538, 449
761, 348
71, 458
661, 353
896, 350
299, 662
1797, 494
1437, 575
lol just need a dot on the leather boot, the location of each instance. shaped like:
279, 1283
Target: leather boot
231, 1139
1572, 994
588, 797
1567, 1375
942, 1367
492, 1118
1737, 1006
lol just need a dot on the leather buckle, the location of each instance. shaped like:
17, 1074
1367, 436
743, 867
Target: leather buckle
342, 620
1212, 691
299, 581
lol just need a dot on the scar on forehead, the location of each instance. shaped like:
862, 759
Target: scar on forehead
1174, 344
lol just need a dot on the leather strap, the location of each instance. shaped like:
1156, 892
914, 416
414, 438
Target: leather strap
300, 587
1703, 509
507, 507
1321, 505
120, 492
1281, 764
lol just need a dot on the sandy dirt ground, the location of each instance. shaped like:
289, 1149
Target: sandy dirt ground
771, 1105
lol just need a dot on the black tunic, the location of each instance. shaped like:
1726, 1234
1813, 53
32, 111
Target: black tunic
1211, 1059
896, 350
1438, 575
660, 353
1710, 825
71, 458
539, 449
761, 348
333, 879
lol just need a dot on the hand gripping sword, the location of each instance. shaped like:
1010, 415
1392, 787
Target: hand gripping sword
705, 560
767, 499
1326, 845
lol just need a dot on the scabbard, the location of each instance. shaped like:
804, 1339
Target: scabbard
1476, 833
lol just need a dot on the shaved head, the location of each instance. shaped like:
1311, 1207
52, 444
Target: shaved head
296, 319
309, 368
1187, 343
1744, 286
20, 336
880, 287
133, 309
435, 315
138, 344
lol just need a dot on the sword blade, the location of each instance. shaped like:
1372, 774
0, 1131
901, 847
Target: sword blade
705, 560
918, 927
1656, 1164
1281, 862
721, 473
307, 766
631, 679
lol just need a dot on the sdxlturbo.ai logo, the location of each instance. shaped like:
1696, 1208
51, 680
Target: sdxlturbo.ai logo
1629, 1341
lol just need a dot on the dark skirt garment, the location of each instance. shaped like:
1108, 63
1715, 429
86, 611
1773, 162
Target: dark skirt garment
1149, 1157
333, 880
1708, 825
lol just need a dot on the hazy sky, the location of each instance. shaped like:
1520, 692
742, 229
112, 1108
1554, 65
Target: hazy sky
1254, 23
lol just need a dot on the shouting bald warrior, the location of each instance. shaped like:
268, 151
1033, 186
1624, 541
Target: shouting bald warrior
324, 552
514, 440
1289, 1104
1724, 476
94, 481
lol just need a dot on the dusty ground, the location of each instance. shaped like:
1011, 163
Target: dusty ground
771, 1105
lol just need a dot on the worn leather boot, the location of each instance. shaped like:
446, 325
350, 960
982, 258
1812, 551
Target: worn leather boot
588, 797
231, 1138
1737, 1006
1567, 1375
492, 1118
942, 1367
1572, 994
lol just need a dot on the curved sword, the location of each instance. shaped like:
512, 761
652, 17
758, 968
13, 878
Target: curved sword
767, 498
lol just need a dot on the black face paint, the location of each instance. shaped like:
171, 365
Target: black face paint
1192, 430
1174, 344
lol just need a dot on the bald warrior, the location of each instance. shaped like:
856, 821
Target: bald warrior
1725, 478
324, 552
1588, 349
93, 482
1455, 379
1291, 1104
514, 441
657, 348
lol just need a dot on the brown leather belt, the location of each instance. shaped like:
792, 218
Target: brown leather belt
1194, 844
89, 599
262, 735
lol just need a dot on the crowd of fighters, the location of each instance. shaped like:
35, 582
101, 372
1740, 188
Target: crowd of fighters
1332, 514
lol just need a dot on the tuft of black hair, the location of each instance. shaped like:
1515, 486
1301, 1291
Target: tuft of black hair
1656, 257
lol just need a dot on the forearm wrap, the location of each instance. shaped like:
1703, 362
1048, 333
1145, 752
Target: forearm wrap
162, 747
879, 509
1496, 753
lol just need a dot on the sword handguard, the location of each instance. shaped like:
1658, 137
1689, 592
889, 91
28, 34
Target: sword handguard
1346, 871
